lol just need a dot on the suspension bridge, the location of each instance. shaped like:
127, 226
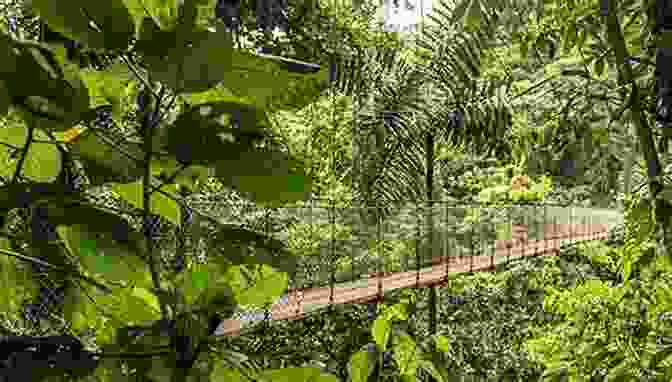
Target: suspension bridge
549, 236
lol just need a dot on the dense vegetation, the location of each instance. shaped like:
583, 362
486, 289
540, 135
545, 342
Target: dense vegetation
151, 151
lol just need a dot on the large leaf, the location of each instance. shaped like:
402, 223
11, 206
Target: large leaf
266, 82
195, 65
265, 287
160, 204
205, 133
265, 175
110, 259
42, 162
97, 220
241, 246
45, 88
107, 87
363, 363
107, 160
98, 25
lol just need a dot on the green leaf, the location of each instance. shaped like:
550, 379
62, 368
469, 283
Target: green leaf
217, 137
43, 160
131, 305
405, 354
262, 81
241, 246
266, 175
295, 374
194, 281
267, 286
160, 204
381, 330
222, 372
107, 159
442, 343
473, 18
195, 67
113, 261
107, 87
106, 25
45, 89
360, 367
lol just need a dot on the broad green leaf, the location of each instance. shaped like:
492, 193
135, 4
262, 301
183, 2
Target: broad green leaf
359, 368
381, 330
43, 160
266, 175
190, 177
104, 25
113, 260
194, 281
107, 159
241, 246
163, 12
396, 312
295, 374
107, 87
267, 286
147, 297
442, 343
195, 67
405, 355
264, 83
160, 204
130, 305
206, 133
222, 372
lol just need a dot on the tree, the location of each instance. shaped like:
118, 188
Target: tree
182, 58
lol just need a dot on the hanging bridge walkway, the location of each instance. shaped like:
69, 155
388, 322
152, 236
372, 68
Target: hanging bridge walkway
298, 303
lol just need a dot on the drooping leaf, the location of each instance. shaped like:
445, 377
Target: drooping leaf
381, 331
195, 66
46, 90
105, 25
107, 159
215, 131
266, 83
42, 162
107, 87
266, 175
266, 287
362, 365
122, 263
222, 372
241, 246
160, 204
